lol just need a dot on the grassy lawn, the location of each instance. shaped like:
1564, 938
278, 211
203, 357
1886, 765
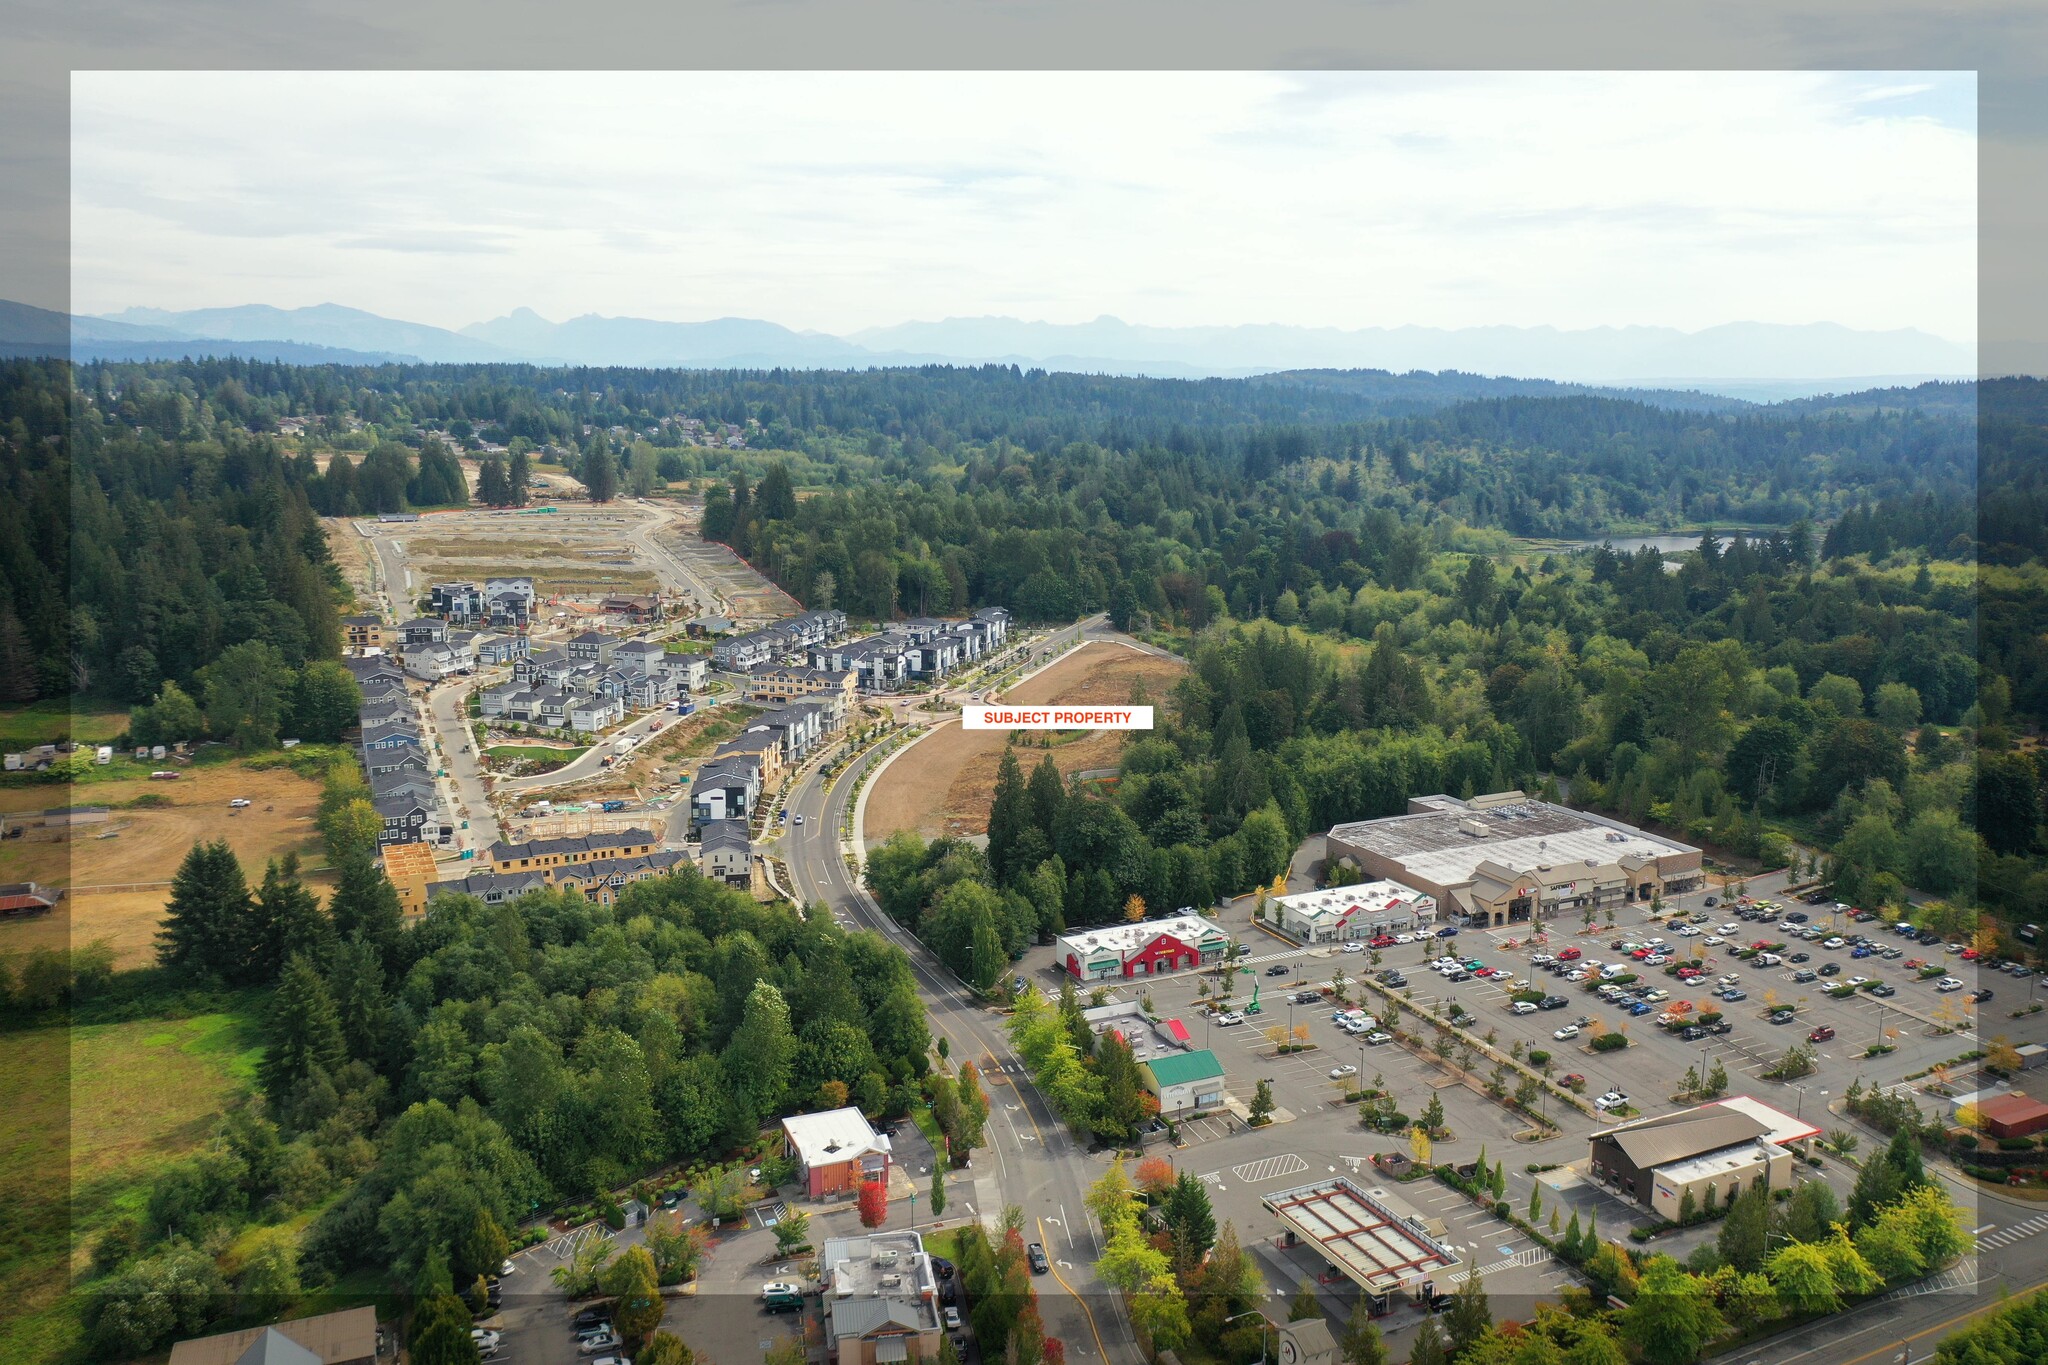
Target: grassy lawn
48, 721
511, 751
131, 1098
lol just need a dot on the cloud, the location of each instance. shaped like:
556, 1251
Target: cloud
838, 200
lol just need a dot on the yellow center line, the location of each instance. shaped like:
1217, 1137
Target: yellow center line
1054, 1268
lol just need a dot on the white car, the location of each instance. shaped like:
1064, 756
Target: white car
1375, 1039
603, 1341
1611, 1101
1859, 980
240, 803
1568, 1031
1524, 1007
779, 1287
1714, 940
1687, 931
506, 1269
485, 1339
1404, 938
1541, 960
1580, 975
1727, 979
799, 819
1339, 1072
952, 1315
1729, 928
1655, 960
1229, 1017
1948, 983
1352, 947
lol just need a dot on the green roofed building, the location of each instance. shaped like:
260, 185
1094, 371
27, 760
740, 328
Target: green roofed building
1184, 1081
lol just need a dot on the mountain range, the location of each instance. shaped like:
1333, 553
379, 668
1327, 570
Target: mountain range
1759, 361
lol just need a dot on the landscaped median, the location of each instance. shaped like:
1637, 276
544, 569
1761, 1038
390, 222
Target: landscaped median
1398, 1007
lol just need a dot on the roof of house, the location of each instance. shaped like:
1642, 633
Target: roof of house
717, 834
1688, 1133
1125, 939
587, 843
275, 1348
1180, 1068
482, 884
832, 1135
350, 1334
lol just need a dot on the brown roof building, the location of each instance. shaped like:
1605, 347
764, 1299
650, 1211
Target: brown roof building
345, 1338
2013, 1116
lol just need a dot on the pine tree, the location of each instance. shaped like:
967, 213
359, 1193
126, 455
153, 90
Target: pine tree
518, 474
1048, 796
17, 660
938, 1199
206, 920
491, 488
1471, 1317
1429, 1346
440, 1333
1361, 1343
304, 1034
1009, 816
286, 919
1305, 1305
601, 471
1573, 1246
365, 905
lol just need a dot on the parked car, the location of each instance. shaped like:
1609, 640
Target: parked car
605, 1341
1613, 1099
1229, 1017
774, 1287
1804, 975
1885, 989
952, 1316
1948, 983
783, 1303
1338, 1073
1569, 955
1980, 995
1571, 1080
1307, 997
1376, 1038
1568, 1031
1036, 1255
1552, 1002
1782, 1015
1524, 1007
1820, 1035
1831, 969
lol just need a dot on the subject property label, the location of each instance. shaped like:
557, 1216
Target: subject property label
1056, 717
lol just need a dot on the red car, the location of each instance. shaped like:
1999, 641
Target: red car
1761, 944
1970, 954
1640, 953
1383, 941
1570, 955
1571, 1081
1914, 964
1820, 1035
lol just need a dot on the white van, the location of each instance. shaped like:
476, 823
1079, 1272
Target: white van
1612, 970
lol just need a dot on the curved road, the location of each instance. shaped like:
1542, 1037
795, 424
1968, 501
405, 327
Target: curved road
1038, 1166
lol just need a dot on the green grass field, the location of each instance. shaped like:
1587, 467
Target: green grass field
46, 722
129, 1099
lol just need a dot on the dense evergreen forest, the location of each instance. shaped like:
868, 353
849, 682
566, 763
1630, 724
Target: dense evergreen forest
1370, 588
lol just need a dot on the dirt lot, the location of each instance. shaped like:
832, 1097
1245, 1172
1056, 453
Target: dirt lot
943, 784
147, 847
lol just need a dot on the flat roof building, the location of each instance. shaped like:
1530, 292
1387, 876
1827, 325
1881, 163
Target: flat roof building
1144, 948
1506, 859
1712, 1152
1365, 911
881, 1299
1369, 1235
835, 1150
2013, 1115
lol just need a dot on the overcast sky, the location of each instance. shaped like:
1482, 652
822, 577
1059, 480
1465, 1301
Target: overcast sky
838, 201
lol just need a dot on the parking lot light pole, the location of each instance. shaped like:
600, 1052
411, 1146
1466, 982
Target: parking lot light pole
1263, 1324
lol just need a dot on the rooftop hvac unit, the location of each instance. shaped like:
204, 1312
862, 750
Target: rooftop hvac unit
892, 1282
1476, 828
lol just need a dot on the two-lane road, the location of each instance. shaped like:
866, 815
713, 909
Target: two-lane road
1038, 1166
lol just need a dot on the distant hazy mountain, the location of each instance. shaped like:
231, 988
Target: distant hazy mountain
1742, 350
325, 324
596, 340
1761, 362
29, 331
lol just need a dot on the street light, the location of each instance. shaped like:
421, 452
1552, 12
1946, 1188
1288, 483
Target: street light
1263, 1324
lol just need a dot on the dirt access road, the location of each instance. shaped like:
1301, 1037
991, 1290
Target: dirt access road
943, 784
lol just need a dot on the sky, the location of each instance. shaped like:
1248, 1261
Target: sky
839, 201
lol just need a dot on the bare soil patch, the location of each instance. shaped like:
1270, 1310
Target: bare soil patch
943, 785
147, 847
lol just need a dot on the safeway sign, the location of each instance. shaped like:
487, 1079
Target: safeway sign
1056, 717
